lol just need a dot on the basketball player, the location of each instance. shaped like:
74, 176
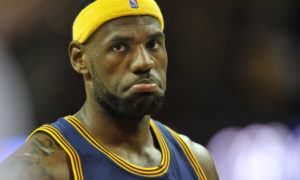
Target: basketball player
119, 49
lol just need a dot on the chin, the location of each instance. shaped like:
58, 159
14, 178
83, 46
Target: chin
135, 107
147, 104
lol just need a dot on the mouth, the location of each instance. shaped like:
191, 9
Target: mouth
144, 85
145, 81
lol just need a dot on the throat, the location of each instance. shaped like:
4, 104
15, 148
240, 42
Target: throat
146, 156
148, 159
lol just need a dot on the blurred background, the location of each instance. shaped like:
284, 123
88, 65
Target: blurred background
233, 81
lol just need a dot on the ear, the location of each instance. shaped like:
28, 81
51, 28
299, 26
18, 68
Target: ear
78, 58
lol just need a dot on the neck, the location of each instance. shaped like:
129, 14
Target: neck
113, 131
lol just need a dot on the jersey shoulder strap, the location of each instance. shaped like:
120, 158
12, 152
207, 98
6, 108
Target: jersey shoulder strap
59, 138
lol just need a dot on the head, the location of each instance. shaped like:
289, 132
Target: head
124, 64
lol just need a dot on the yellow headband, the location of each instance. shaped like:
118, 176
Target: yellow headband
101, 11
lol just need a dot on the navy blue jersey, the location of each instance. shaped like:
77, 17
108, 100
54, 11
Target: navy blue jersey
93, 161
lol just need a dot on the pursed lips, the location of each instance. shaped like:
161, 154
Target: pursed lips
144, 83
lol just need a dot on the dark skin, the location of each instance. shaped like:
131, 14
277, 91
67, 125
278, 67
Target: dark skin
40, 158
120, 51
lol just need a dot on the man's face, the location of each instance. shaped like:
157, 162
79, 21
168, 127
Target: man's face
128, 64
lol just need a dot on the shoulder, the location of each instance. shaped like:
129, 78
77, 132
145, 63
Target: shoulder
39, 158
203, 157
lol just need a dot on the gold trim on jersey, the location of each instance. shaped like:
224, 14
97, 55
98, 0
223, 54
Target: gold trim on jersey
75, 160
148, 172
189, 154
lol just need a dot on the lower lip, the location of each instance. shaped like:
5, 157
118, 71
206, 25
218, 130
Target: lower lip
144, 87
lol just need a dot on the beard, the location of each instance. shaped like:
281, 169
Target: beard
130, 108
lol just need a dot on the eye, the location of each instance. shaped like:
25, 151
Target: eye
153, 44
120, 47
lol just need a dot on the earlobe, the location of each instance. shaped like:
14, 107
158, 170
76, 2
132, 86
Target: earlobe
77, 57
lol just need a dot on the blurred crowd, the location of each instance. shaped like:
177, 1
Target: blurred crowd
257, 152
231, 64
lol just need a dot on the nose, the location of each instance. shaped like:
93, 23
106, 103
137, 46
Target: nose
142, 61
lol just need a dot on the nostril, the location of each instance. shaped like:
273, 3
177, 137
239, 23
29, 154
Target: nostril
138, 72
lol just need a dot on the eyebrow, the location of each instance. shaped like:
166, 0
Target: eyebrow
119, 38
157, 35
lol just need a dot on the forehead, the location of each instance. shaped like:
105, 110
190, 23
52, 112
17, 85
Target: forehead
128, 26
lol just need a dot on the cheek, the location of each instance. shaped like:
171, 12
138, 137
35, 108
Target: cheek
165, 65
162, 68
110, 80
114, 78
164, 60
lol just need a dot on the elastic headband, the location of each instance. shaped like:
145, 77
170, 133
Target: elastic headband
101, 11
